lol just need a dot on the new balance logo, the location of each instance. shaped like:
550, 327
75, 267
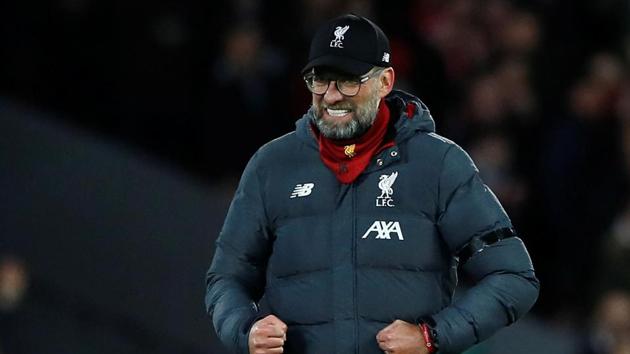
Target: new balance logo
384, 229
302, 190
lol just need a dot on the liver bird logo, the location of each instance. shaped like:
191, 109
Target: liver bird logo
385, 184
349, 150
339, 32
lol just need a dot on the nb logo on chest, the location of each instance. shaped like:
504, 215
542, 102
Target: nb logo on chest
302, 190
384, 229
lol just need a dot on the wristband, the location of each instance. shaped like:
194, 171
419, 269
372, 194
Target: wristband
429, 338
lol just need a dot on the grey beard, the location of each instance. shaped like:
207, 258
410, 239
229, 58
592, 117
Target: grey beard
364, 117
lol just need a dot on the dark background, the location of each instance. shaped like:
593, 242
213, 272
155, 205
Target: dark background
124, 126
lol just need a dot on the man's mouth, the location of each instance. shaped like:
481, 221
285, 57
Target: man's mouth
337, 112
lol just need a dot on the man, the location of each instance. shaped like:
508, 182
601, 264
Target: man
346, 235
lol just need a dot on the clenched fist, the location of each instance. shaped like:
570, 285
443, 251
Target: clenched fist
267, 336
401, 337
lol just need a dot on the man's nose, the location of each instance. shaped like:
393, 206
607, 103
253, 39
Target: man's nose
332, 95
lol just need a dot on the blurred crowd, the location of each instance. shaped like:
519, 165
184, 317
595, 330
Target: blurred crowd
537, 91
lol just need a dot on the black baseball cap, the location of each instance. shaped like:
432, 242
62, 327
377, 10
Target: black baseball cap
351, 44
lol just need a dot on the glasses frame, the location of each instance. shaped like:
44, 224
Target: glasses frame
361, 80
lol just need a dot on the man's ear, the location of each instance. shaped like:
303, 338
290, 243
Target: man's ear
386, 82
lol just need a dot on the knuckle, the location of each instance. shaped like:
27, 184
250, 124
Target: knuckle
261, 343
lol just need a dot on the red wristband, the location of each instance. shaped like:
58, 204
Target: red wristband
427, 338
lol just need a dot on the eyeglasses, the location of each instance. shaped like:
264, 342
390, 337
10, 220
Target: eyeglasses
348, 86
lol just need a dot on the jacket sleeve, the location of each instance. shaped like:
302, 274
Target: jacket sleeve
236, 277
505, 286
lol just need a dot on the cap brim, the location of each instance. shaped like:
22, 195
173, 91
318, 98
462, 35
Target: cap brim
344, 65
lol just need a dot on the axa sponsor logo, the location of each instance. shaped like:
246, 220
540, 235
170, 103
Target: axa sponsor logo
385, 184
383, 230
302, 190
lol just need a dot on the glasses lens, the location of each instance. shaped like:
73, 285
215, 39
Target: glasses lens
348, 87
316, 84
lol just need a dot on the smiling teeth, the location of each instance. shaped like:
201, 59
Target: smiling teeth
337, 112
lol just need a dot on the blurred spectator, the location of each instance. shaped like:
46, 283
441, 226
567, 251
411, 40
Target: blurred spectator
247, 64
623, 111
501, 99
616, 254
420, 67
485, 106
520, 35
610, 330
584, 185
451, 27
493, 154
14, 283
518, 96
246, 80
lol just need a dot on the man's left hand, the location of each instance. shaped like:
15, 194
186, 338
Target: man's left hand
402, 337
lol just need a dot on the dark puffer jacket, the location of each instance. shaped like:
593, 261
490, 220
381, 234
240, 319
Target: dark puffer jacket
337, 263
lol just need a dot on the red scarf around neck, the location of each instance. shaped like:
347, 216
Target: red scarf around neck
349, 158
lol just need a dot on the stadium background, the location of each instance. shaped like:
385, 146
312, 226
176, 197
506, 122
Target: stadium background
124, 126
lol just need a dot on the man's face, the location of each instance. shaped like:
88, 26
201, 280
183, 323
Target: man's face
342, 117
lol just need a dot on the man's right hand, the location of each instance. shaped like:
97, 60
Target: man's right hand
267, 336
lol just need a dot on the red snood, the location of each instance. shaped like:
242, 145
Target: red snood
349, 158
